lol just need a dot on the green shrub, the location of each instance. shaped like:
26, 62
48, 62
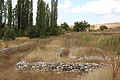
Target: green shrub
81, 26
33, 33
65, 27
55, 31
1, 32
9, 35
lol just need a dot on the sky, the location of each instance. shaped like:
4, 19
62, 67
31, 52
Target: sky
92, 11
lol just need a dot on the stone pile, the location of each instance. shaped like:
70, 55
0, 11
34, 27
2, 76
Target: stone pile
57, 66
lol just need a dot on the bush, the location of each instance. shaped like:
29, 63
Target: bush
102, 27
55, 31
33, 33
81, 26
2, 30
65, 27
9, 35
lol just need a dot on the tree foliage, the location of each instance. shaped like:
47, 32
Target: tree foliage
40, 19
33, 33
9, 3
24, 15
9, 35
20, 19
46, 20
1, 12
65, 27
30, 22
81, 26
2, 17
2, 30
54, 30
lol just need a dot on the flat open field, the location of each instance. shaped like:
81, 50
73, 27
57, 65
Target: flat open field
44, 50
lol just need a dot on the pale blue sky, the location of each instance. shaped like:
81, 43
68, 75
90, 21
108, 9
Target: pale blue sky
93, 11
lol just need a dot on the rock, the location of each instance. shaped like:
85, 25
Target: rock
63, 52
57, 67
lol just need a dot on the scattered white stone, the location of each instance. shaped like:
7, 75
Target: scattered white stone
57, 67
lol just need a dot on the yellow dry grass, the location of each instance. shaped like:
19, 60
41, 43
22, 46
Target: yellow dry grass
17, 42
100, 74
45, 50
109, 25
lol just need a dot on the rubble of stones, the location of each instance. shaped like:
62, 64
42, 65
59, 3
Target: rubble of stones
57, 66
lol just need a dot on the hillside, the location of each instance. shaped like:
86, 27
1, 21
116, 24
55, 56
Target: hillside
109, 25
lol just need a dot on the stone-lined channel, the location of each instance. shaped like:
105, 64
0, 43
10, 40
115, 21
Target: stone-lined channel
57, 66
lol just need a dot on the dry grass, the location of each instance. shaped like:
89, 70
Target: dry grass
100, 74
80, 44
17, 42
109, 25
40, 55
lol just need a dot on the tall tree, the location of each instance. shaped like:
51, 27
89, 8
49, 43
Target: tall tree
40, 19
19, 13
1, 12
23, 16
9, 2
15, 19
54, 16
47, 16
54, 12
47, 20
26, 14
31, 13
5, 12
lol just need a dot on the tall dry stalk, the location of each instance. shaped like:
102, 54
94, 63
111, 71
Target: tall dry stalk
113, 62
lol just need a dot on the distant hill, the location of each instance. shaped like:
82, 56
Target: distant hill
109, 25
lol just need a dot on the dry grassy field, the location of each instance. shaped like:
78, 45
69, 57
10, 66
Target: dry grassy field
109, 25
79, 44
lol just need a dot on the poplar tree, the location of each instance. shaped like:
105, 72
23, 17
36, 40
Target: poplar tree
5, 12
19, 13
26, 14
15, 19
47, 20
23, 16
54, 12
54, 16
31, 14
9, 2
1, 12
40, 19
47, 16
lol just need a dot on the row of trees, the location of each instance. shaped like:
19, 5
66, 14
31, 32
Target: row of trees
20, 18
18, 21
46, 20
78, 27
